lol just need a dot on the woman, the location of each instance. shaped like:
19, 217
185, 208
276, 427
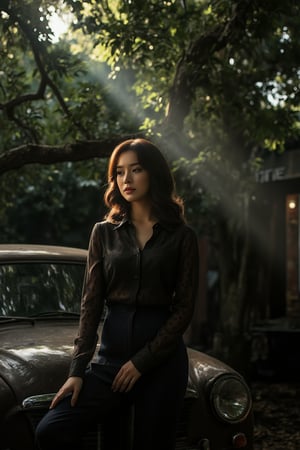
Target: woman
143, 266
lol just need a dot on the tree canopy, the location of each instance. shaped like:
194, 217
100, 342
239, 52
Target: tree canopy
167, 67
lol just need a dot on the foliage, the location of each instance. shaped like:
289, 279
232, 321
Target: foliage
138, 55
56, 205
68, 95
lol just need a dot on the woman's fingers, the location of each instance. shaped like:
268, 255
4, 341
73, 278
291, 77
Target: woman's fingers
76, 391
126, 378
58, 397
72, 386
130, 384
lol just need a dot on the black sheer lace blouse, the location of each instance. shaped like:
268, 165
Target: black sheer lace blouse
162, 274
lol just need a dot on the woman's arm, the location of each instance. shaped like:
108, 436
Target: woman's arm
91, 307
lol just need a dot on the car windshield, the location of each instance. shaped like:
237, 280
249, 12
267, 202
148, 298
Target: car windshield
32, 289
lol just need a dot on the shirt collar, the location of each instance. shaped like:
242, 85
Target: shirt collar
124, 221
127, 221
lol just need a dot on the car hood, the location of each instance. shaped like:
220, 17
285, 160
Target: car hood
33, 354
35, 358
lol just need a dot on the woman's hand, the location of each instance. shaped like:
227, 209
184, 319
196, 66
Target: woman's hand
126, 378
72, 386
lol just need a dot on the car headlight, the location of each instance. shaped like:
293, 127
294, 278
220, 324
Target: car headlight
230, 398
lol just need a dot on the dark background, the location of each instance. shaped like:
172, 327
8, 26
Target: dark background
276, 415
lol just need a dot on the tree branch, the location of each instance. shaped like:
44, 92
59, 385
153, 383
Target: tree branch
190, 69
46, 154
37, 48
11, 104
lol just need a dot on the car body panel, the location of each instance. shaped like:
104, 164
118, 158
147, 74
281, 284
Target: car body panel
35, 355
32, 355
25, 252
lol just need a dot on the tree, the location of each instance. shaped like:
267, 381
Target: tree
213, 81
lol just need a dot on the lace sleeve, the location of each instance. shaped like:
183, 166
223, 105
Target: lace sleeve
91, 307
169, 335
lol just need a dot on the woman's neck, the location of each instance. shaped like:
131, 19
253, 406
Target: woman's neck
141, 213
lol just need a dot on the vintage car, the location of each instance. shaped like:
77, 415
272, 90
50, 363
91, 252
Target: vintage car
39, 309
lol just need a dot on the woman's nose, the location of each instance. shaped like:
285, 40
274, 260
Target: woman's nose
127, 178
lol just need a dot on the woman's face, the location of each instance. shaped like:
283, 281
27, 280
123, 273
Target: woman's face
133, 181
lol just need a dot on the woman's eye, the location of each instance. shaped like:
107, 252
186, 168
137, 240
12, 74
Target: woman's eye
119, 173
137, 169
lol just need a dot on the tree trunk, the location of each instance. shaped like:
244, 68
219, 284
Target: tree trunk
232, 341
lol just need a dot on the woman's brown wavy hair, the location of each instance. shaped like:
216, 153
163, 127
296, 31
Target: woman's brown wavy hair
167, 207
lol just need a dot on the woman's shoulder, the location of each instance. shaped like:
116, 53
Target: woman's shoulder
185, 228
102, 231
104, 225
108, 226
181, 232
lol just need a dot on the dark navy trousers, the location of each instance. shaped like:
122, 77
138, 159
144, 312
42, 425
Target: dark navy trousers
157, 398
